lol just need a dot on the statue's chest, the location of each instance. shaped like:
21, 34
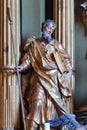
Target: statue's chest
47, 50
45, 55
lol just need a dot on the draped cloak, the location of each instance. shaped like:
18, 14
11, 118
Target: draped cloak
49, 62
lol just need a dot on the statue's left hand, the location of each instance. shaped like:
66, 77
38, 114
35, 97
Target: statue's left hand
18, 68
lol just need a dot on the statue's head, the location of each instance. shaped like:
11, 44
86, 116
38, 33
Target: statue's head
48, 23
47, 29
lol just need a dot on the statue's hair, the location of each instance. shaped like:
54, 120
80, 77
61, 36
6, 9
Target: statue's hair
47, 23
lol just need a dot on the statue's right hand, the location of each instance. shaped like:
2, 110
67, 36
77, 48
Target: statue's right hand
19, 68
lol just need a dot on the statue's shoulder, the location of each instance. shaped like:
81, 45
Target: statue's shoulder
58, 45
30, 40
39, 40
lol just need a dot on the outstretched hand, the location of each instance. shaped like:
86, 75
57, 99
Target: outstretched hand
18, 68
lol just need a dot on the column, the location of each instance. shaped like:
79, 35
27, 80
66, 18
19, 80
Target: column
9, 92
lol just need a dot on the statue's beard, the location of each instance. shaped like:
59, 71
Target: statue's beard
46, 37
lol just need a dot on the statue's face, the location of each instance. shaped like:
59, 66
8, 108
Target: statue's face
48, 29
47, 32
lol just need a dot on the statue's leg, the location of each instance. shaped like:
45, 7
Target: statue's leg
40, 108
36, 100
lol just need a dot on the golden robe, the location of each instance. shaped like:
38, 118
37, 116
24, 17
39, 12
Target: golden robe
48, 85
